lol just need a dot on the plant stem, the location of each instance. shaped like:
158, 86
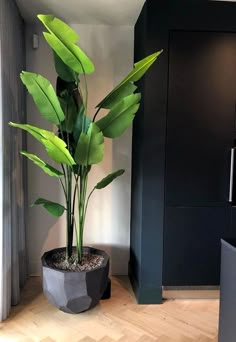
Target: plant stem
64, 173
81, 201
73, 204
68, 214
87, 202
63, 187
95, 115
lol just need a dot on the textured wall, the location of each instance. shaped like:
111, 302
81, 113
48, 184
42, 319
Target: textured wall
108, 220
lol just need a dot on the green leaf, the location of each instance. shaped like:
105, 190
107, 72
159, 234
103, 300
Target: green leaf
82, 123
108, 179
44, 96
36, 132
139, 70
70, 109
120, 116
62, 40
55, 147
126, 90
63, 71
59, 28
51, 171
90, 147
53, 208
71, 54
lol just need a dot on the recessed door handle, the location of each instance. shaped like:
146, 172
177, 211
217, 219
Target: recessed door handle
231, 180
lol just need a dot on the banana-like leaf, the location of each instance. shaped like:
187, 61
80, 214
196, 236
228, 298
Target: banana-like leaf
62, 40
125, 90
120, 116
108, 179
82, 123
36, 132
44, 96
63, 71
70, 109
139, 70
59, 28
53, 208
90, 147
51, 171
55, 147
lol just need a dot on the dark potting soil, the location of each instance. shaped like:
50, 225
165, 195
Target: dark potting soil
88, 262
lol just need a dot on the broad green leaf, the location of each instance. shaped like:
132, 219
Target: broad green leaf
108, 179
141, 67
51, 171
126, 90
139, 70
36, 132
53, 208
55, 147
90, 147
71, 54
44, 96
120, 117
63, 71
70, 109
59, 28
82, 123
62, 40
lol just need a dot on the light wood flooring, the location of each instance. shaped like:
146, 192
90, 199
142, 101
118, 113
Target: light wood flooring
117, 319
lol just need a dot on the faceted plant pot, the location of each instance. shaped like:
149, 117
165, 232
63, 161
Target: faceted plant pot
74, 291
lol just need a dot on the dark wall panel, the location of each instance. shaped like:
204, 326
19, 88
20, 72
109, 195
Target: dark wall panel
201, 117
149, 137
192, 245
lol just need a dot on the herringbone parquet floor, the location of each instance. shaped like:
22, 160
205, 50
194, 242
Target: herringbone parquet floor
118, 319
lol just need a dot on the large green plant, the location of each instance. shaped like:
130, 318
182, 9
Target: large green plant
79, 141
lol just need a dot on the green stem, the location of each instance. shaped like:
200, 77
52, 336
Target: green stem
95, 115
73, 203
68, 214
86, 90
87, 202
81, 93
81, 200
63, 187
78, 237
64, 173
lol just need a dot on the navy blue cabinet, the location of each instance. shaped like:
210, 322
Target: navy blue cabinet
200, 133
182, 138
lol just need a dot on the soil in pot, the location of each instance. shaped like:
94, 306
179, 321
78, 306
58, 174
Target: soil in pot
89, 261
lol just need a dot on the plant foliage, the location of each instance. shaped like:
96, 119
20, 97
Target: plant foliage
78, 143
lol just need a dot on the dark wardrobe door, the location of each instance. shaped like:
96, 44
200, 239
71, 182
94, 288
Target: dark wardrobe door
200, 132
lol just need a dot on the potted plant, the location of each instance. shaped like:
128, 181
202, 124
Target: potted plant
75, 278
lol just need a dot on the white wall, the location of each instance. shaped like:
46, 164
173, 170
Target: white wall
108, 219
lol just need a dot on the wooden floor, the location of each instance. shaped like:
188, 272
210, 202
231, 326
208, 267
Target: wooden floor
118, 319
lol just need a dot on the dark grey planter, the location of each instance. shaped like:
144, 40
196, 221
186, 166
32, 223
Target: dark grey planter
75, 292
227, 321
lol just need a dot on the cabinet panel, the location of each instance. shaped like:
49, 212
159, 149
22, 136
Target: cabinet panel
192, 245
201, 117
200, 134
